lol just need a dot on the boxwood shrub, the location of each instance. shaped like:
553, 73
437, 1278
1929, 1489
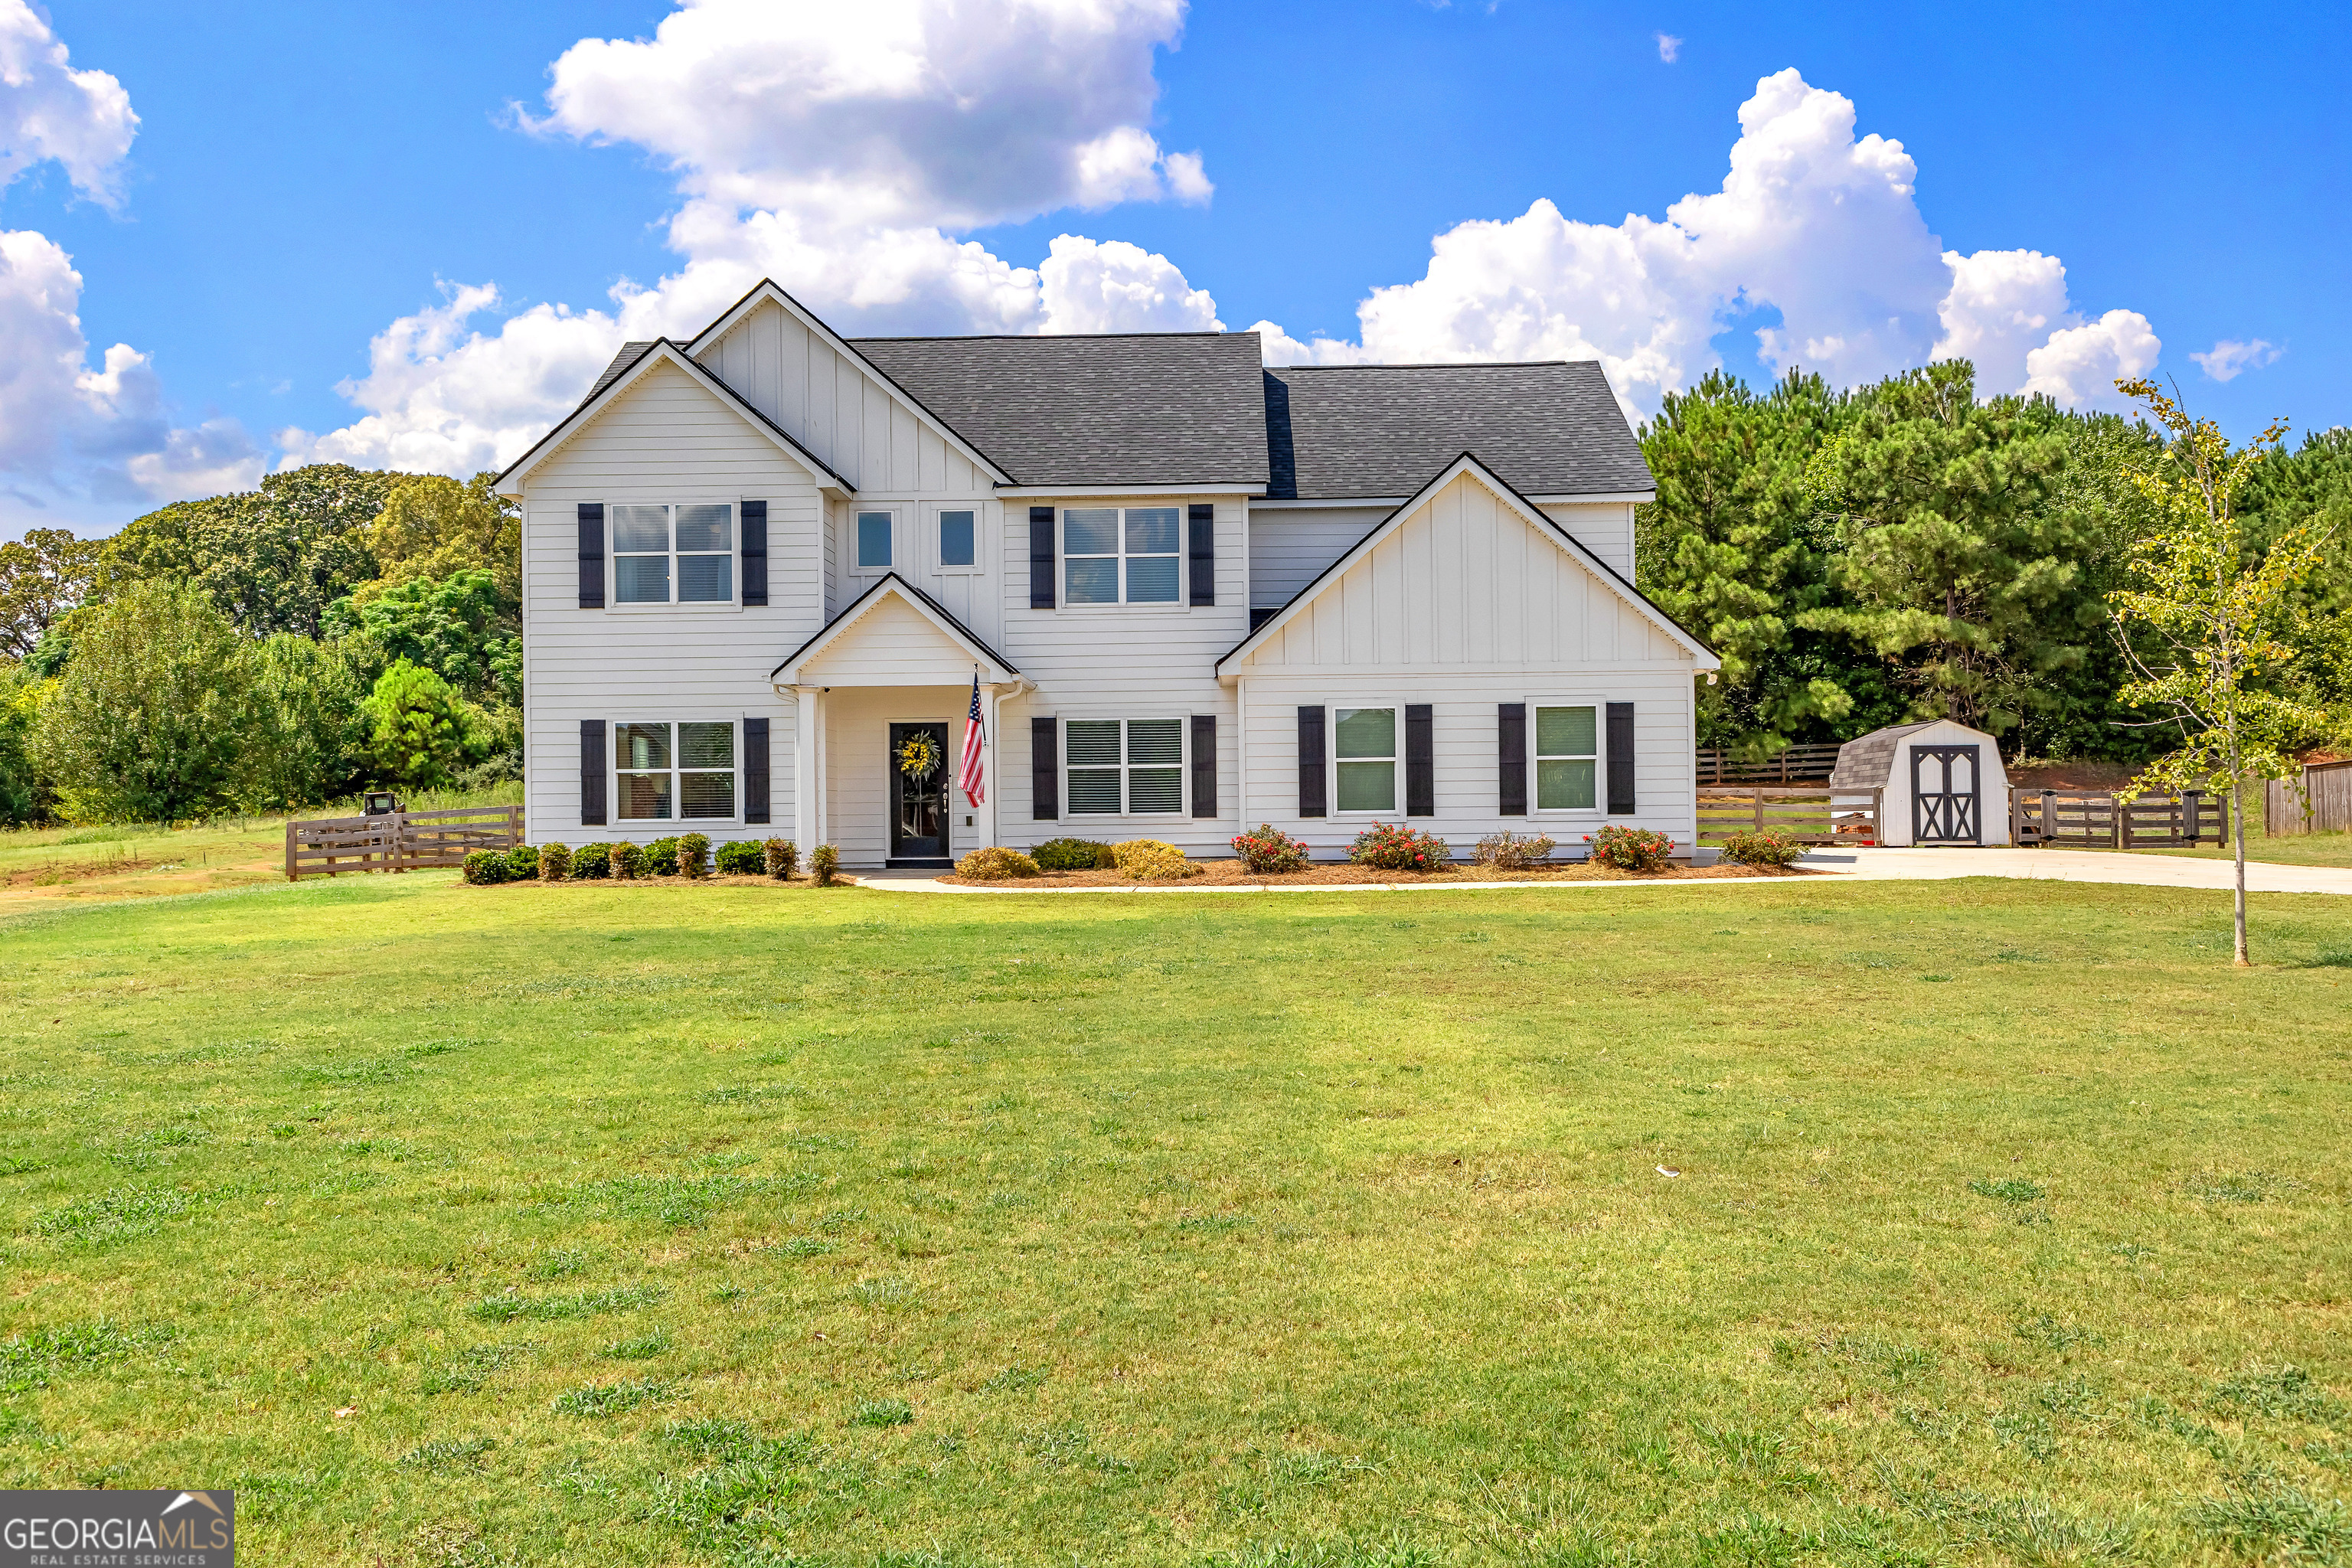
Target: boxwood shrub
592, 863
1072, 855
743, 858
522, 863
660, 858
485, 867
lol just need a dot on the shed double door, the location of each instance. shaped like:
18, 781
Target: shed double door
1947, 804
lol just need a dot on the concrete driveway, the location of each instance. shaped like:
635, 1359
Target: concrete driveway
2075, 866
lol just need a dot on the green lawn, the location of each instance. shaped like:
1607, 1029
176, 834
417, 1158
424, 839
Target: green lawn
604, 1225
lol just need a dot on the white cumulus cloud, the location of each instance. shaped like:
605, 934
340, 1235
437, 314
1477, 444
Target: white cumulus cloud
82, 118
2228, 359
1670, 48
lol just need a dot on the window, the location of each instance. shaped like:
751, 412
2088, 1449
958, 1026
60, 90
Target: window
659, 781
1135, 765
1567, 750
873, 542
1114, 555
955, 538
690, 549
1364, 749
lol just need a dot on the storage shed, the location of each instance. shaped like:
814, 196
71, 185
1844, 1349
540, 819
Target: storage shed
1943, 783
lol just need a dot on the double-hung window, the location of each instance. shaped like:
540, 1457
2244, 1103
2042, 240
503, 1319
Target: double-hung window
1131, 766
670, 771
1567, 755
1121, 555
873, 543
673, 555
1364, 753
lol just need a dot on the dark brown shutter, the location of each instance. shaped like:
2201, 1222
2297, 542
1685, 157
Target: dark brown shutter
1511, 758
591, 557
1621, 759
1311, 762
1044, 770
1205, 764
755, 558
1420, 760
591, 772
1204, 554
755, 770
1041, 559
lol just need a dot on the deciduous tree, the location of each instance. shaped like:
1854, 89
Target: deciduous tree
42, 578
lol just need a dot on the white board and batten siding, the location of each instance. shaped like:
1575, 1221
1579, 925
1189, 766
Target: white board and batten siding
1291, 546
663, 440
1466, 606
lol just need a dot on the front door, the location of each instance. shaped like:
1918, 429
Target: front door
1944, 802
918, 799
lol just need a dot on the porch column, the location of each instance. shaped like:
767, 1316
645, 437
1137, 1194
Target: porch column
994, 777
807, 770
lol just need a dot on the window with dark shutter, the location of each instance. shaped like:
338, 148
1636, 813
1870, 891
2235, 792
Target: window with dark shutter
1311, 762
591, 772
1204, 554
1420, 759
1044, 770
755, 556
755, 770
1205, 764
1621, 759
591, 557
1041, 557
1511, 758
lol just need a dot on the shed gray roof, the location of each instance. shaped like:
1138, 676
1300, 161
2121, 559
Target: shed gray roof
1867, 760
1142, 408
631, 353
1382, 430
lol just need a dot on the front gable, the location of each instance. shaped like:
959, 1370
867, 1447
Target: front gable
802, 375
895, 635
1470, 576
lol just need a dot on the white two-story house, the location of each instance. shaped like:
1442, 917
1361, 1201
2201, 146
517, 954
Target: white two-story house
1196, 594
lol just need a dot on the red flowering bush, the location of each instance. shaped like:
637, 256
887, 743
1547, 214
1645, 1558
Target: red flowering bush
1631, 849
1390, 848
1271, 849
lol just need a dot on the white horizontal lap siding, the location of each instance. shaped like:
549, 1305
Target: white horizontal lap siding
1606, 527
1290, 548
666, 440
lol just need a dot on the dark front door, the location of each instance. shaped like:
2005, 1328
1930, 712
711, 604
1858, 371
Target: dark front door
919, 801
1945, 807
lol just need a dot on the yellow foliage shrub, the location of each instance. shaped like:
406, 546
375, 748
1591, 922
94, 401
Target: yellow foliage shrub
1150, 860
995, 865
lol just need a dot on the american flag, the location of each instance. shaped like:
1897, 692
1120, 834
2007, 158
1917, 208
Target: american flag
974, 787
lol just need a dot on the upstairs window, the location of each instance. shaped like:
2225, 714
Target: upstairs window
873, 542
673, 555
1566, 756
1121, 555
955, 538
1364, 751
1125, 765
670, 771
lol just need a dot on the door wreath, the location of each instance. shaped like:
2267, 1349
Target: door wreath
918, 755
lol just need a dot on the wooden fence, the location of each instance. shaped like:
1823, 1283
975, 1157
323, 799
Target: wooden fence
1808, 816
1797, 764
2096, 819
2330, 788
399, 840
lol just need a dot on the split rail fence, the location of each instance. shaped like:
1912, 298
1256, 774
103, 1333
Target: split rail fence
1806, 815
2330, 786
2096, 819
398, 840
1796, 765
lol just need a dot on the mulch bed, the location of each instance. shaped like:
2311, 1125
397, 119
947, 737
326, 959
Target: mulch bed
1232, 874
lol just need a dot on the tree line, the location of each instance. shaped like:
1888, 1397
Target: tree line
332, 631
1905, 551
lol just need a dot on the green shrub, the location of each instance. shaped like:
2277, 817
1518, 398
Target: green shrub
1270, 849
522, 863
1509, 852
554, 862
628, 862
694, 855
995, 865
824, 864
593, 863
1151, 860
1390, 848
1069, 854
1773, 847
661, 857
1631, 849
486, 867
742, 858
783, 857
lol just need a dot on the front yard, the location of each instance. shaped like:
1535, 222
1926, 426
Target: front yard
699, 1225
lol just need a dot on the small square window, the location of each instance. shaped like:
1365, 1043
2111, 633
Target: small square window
873, 540
955, 538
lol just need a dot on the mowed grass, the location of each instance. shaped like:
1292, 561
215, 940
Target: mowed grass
614, 1224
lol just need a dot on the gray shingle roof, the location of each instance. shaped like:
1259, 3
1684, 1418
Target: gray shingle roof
1865, 762
630, 354
1161, 408
1382, 430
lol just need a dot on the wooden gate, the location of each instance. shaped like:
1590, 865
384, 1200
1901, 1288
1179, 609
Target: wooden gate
1947, 804
2096, 819
398, 840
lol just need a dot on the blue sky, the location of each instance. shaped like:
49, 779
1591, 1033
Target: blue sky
305, 180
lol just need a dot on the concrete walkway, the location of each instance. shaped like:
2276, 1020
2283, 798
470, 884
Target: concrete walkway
1843, 864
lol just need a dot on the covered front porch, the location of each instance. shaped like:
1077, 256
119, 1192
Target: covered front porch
887, 683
